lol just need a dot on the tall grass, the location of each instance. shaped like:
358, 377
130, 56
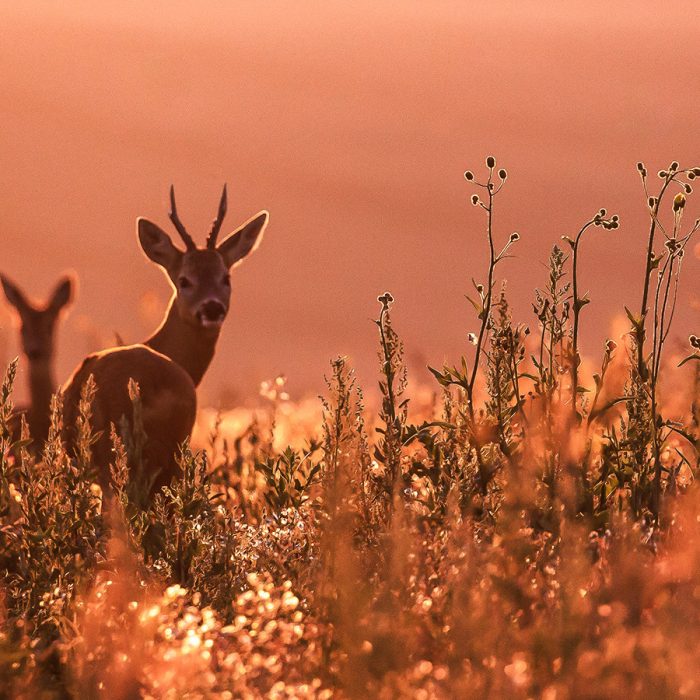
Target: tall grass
528, 536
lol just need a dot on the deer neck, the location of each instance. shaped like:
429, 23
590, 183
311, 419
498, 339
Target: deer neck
41, 389
192, 347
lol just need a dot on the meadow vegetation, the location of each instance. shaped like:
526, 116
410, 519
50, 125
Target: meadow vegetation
528, 532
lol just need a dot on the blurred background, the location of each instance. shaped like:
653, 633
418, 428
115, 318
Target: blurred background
353, 124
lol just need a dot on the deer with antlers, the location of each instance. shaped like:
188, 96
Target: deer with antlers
171, 363
37, 330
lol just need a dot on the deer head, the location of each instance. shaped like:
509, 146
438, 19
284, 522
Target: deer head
38, 323
201, 275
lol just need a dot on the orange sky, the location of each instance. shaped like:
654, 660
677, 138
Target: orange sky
352, 123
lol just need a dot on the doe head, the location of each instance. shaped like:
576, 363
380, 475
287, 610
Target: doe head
201, 275
37, 323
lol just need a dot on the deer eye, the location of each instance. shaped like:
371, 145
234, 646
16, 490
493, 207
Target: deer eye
184, 283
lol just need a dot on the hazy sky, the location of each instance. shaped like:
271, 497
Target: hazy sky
352, 123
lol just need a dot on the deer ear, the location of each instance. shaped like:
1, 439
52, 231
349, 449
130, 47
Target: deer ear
244, 240
157, 244
13, 294
63, 294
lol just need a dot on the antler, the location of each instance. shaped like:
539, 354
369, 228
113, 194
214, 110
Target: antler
216, 224
189, 242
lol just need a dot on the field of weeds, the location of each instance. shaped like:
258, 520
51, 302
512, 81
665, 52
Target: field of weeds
517, 530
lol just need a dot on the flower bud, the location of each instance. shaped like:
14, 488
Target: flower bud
490, 161
515, 236
678, 202
688, 189
673, 167
468, 175
502, 174
662, 174
475, 199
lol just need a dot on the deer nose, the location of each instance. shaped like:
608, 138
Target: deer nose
211, 312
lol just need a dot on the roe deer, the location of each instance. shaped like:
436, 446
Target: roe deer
171, 363
37, 325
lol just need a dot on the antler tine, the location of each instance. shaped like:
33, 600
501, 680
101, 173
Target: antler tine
216, 224
189, 242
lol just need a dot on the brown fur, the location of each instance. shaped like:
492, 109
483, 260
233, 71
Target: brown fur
170, 364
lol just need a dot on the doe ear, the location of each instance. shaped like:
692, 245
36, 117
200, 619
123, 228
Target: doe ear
63, 293
157, 244
13, 294
244, 240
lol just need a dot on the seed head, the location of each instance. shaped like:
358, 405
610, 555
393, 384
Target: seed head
385, 299
502, 174
469, 175
490, 161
